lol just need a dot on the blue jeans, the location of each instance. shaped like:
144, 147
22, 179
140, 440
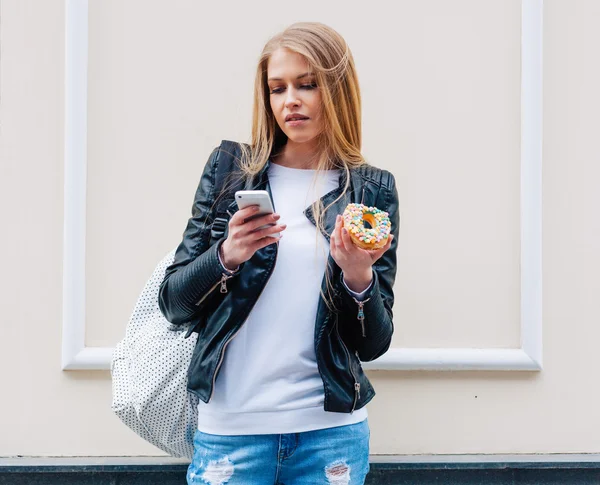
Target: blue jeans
338, 455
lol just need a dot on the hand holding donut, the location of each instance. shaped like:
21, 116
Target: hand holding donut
354, 261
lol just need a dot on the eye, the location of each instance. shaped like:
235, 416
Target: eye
305, 86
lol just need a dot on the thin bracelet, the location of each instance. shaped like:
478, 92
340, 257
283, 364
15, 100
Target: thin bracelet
229, 271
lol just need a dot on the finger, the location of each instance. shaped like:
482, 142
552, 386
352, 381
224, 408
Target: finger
252, 225
268, 231
333, 241
265, 241
239, 216
332, 236
347, 240
390, 240
388, 243
379, 252
332, 245
339, 243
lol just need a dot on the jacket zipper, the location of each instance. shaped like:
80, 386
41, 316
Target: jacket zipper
361, 314
356, 383
236, 332
222, 282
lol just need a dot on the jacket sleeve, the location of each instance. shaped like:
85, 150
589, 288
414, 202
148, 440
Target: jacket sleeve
191, 280
373, 337
359, 296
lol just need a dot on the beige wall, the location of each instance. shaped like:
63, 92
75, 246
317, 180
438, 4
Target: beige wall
441, 92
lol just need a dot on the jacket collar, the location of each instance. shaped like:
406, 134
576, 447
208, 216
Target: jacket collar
336, 207
261, 182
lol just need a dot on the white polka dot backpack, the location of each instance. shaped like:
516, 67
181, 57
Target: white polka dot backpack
149, 366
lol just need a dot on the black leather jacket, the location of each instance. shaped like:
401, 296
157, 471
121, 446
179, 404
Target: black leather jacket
190, 292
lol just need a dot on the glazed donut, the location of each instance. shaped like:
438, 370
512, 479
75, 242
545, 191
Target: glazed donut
374, 237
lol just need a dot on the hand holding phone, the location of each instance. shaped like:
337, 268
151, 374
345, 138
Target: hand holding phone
251, 228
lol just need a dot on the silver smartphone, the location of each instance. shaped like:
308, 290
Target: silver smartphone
245, 198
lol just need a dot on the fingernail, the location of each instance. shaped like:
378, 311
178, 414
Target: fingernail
345, 231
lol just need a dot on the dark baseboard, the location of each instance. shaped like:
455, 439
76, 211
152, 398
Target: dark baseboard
489, 473
542, 470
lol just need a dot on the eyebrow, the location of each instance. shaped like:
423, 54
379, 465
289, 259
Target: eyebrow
299, 77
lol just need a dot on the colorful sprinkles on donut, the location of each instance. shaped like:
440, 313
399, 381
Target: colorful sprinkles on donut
373, 237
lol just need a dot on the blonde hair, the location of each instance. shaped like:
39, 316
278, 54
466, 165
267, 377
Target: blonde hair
331, 61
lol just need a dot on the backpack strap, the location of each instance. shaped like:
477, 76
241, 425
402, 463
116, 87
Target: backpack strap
228, 179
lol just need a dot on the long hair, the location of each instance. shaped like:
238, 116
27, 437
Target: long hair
330, 60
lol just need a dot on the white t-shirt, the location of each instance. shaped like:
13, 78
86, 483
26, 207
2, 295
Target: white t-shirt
269, 381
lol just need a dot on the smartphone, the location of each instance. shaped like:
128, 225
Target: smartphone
244, 198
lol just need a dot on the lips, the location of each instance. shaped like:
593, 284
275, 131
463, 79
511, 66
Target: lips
295, 117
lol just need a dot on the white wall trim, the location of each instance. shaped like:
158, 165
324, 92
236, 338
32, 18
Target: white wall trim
75, 356
74, 353
533, 459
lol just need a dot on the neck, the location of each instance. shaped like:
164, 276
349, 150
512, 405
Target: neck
298, 155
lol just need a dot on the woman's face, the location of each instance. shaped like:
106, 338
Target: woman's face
294, 92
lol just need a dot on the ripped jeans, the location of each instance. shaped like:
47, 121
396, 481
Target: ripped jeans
331, 456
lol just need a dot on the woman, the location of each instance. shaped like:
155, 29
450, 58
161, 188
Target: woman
286, 339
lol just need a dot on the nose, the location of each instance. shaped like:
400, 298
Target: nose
291, 98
